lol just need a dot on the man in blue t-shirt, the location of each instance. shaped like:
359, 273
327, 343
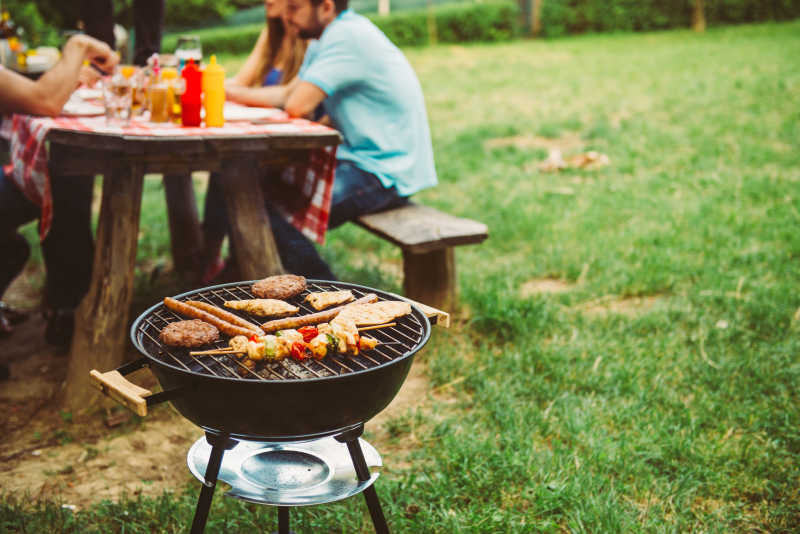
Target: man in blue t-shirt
370, 93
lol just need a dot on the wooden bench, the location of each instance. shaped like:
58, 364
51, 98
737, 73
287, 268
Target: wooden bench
427, 237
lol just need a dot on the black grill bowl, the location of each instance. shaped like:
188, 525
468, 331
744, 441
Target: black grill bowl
279, 405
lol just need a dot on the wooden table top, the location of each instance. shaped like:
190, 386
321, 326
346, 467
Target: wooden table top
193, 144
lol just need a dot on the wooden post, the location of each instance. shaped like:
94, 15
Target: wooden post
251, 234
433, 33
184, 225
536, 18
430, 278
101, 320
699, 16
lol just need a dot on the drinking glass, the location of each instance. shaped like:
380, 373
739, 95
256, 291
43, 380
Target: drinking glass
189, 48
118, 99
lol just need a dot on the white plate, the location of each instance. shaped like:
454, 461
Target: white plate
87, 93
78, 108
244, 113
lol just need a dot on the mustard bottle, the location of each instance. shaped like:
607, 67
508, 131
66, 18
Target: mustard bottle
214, 93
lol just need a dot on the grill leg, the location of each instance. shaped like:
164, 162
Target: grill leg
219, 443
283, 521
362, 471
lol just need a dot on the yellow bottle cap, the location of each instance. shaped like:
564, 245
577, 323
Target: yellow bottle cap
213, 67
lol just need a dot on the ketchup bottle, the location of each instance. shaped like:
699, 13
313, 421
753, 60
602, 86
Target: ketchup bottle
191, 101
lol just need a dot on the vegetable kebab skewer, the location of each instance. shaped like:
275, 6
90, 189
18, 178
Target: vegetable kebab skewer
307, 342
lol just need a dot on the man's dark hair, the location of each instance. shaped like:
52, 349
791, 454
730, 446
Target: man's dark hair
341, 5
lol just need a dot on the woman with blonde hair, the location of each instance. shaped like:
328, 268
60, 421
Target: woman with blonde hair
275, 60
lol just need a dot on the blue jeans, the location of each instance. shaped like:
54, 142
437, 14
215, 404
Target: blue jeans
355, 192
68, 249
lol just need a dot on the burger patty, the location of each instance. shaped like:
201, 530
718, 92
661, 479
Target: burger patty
281, 287
190, 334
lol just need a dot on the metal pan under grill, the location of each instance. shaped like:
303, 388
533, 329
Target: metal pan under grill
279, 401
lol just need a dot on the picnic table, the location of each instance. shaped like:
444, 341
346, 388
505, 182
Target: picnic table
86, 146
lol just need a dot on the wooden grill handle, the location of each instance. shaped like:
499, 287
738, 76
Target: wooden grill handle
119, 388
442, 317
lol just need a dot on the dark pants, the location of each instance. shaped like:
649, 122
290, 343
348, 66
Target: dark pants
68, 249
355, 192
148, 19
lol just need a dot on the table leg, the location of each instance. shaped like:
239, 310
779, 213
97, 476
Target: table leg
251, 234
184, 225
101, 320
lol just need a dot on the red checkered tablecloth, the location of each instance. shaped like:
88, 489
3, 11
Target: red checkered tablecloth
305, 186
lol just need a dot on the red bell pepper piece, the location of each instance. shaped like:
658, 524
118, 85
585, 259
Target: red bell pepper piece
308, 332
298, 351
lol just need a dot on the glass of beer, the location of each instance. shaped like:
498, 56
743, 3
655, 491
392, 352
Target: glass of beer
117, 98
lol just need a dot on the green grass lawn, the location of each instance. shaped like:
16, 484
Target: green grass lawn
679, 416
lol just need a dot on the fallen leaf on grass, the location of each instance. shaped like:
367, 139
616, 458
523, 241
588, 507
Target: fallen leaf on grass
554, 162
588, 160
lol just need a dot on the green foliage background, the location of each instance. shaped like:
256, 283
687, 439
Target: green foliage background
578, 16
457, 22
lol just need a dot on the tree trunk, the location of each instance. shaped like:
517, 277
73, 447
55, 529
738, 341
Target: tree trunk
536, 18
699, 16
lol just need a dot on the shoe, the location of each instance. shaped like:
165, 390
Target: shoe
223, 271
9, 318
212, 271
60, 327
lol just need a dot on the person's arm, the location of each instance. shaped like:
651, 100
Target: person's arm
252, 67
336, 64
303, 99
48, 94
273, 96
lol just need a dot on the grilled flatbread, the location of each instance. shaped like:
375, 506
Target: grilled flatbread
324, 299
263, 307
375, 313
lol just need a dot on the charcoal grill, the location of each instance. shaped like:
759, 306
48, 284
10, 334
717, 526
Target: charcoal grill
287, 401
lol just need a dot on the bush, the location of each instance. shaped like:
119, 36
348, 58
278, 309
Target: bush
44, 19
181, 14
231, 40
38, 31
454, 23
577, 16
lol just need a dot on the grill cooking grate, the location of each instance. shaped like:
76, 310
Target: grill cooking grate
394, 342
